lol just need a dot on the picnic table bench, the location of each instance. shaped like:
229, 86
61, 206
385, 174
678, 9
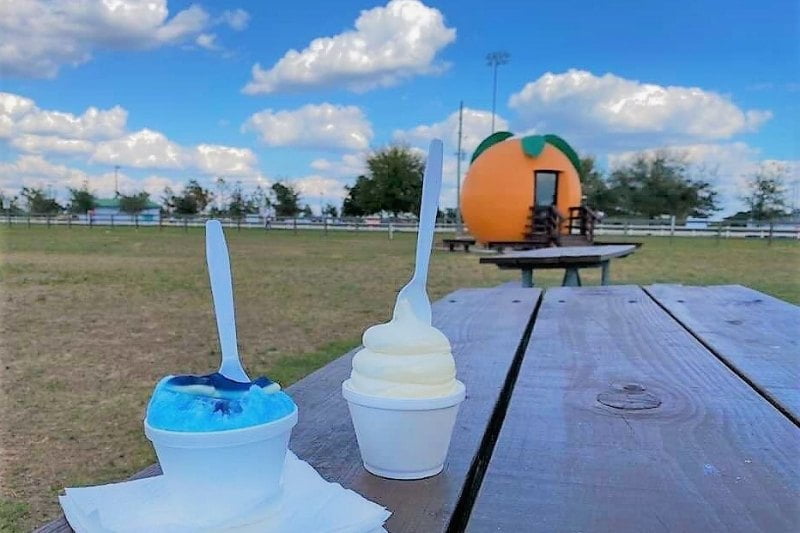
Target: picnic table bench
464, 242
570, 258
617, 408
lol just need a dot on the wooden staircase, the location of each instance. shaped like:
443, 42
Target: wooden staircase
547, 226
542, 229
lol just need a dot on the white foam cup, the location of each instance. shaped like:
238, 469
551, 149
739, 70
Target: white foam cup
403, 438
221, 474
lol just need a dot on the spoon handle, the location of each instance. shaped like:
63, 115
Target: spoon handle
431, 187
219, 271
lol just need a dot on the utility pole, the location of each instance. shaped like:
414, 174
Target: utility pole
116, 181
459, 155
494, 60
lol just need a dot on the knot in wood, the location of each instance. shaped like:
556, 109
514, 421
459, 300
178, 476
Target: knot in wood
629, 396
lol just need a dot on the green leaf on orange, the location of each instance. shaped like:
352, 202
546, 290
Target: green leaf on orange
491, 140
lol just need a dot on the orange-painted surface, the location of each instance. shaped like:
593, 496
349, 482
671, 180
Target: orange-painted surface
498, 189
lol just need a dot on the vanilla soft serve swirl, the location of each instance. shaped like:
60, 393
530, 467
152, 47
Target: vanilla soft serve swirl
404, 358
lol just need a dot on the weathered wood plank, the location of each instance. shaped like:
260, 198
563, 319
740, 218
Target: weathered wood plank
485, 327
714, 456
754, 333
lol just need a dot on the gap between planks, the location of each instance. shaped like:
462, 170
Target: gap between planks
477, 471
722, 359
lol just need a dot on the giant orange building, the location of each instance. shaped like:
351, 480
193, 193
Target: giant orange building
514, 182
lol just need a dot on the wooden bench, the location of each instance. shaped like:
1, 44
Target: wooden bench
458, 241
626, 409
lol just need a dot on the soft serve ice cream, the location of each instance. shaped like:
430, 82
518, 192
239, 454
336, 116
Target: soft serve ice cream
403, 397
404, 358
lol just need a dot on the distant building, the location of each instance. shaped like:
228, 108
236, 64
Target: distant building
105, 208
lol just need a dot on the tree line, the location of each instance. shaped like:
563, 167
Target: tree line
282, 199
645, 186
654, 185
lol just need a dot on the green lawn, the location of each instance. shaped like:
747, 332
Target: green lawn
92, 318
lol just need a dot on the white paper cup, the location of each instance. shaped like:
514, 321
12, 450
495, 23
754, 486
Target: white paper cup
403, 438
223, 473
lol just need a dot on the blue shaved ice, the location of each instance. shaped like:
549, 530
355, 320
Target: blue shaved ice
214, 403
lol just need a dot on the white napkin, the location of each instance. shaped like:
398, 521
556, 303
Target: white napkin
307, 503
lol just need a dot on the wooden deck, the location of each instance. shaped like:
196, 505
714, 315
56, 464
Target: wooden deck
618, 408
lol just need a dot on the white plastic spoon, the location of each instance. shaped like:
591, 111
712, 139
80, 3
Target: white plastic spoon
415, 290
219, 270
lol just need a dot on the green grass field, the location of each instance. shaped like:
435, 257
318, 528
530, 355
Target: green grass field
92, 318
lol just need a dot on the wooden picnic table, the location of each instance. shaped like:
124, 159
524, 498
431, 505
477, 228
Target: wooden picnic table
464, 242
623, 408
570, 258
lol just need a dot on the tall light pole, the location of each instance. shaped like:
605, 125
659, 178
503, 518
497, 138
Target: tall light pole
459, 155
494, 60
116, 181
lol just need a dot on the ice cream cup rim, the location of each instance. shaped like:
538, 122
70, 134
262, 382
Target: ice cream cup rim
220, 438
404, 404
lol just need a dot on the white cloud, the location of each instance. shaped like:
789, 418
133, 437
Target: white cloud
51, 144
207, 41
347, 166
476, 126
92, 124
236, 19
215, 159
142, 149
14, 106
603, 111
35, 171
20, 115
39, 36
388, 44
101, 135
152, 149
324, 126
314, 186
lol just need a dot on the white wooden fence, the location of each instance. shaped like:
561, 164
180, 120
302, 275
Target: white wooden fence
712, 229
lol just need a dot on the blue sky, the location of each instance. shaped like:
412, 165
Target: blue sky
174, 92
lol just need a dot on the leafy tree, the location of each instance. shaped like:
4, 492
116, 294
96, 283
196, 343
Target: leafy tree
594, 186
448, 215
306, 212
393, 183
239, 205
39, 202
9, 205
260, 199
359, 200
134, 204
81, 200
287, 200
396, 172
766, 194
660, 185
330, 210
740, 218
192, 200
